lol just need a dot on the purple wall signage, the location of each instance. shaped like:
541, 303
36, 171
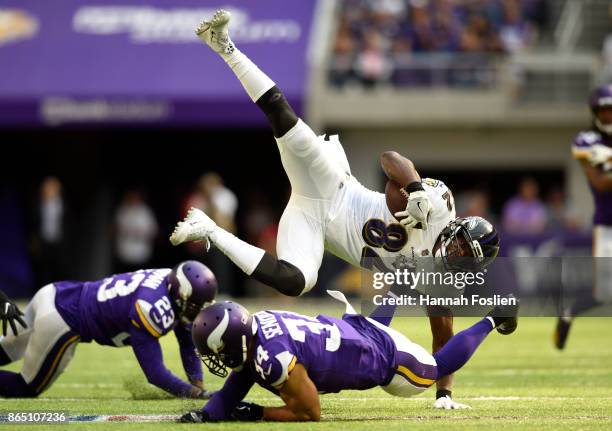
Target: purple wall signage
134, 61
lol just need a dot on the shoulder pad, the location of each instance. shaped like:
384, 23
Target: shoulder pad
158, 318
272, 364
583, 143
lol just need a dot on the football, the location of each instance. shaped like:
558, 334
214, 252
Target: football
396, 199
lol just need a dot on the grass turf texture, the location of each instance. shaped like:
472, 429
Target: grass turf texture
513, 382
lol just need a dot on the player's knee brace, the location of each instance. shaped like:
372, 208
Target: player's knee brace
281, 275
280, 114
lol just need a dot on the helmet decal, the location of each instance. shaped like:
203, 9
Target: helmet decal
185, 288
214, 341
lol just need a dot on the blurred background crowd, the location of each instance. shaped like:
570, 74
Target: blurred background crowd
128, 122
400, 41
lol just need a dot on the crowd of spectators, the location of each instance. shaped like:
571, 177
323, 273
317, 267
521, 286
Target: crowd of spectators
526, 213
405, 41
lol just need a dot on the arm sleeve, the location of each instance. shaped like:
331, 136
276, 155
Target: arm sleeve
191, 362
150, 357
236, 387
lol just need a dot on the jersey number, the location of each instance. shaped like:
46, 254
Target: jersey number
450, 201
119, 288
164, 314
376, 234
332, 342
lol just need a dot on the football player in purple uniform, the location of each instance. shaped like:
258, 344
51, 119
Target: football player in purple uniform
10, 313
131, 309
593, 148
330, 210
298, 357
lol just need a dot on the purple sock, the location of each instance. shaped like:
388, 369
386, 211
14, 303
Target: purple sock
12, 385
460, 348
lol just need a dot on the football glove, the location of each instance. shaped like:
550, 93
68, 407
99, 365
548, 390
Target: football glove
245, 411
194, 416
447, 403
9, 313
417, 211
599, 154
205, 395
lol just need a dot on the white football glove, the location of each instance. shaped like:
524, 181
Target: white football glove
417, 210
599, 154
447, 403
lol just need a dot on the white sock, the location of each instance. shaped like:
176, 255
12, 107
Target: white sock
254, 81
244, 255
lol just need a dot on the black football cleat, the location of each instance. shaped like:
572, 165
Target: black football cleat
505, 316
561, 332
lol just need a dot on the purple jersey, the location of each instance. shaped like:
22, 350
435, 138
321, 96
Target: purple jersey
347, 353
584, 145
105, 310
131, 309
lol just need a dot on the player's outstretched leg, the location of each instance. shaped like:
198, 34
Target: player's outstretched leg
279, 274
260, 88
460, 348
564, 322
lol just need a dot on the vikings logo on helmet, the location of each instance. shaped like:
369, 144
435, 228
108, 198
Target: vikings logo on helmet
222, 333
192, 285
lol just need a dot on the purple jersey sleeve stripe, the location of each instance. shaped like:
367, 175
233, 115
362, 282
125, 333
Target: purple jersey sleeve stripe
145, 322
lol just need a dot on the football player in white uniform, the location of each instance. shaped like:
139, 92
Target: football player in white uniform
593, 148
329, 209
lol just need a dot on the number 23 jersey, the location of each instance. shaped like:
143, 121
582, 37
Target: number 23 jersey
365, 228
106, 310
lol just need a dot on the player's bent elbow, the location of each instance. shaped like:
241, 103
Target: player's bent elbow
312, 415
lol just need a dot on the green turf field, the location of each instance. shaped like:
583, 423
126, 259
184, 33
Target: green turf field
514, 382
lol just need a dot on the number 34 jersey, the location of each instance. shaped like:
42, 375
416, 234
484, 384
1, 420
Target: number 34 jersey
106, 310
365, 228
347, 353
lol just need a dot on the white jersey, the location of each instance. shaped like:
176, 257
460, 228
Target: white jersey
330, 209
363, 226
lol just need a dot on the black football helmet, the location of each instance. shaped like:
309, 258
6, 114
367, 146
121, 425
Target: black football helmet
468, 244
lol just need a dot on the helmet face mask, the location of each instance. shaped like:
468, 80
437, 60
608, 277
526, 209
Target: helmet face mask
222, 333
215, 365
467, 244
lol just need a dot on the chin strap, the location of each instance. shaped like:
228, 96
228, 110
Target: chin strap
605, 128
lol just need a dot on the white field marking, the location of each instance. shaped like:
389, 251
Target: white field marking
492, 398
364, 399
543, 372
330, 418
88, 385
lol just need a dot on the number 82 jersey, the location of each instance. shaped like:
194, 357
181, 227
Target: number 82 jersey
365, 230
338, 354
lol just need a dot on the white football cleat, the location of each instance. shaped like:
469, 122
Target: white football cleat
215, 32
197, 226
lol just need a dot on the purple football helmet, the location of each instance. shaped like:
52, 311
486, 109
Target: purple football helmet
601, 97
222, 333
192, 286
